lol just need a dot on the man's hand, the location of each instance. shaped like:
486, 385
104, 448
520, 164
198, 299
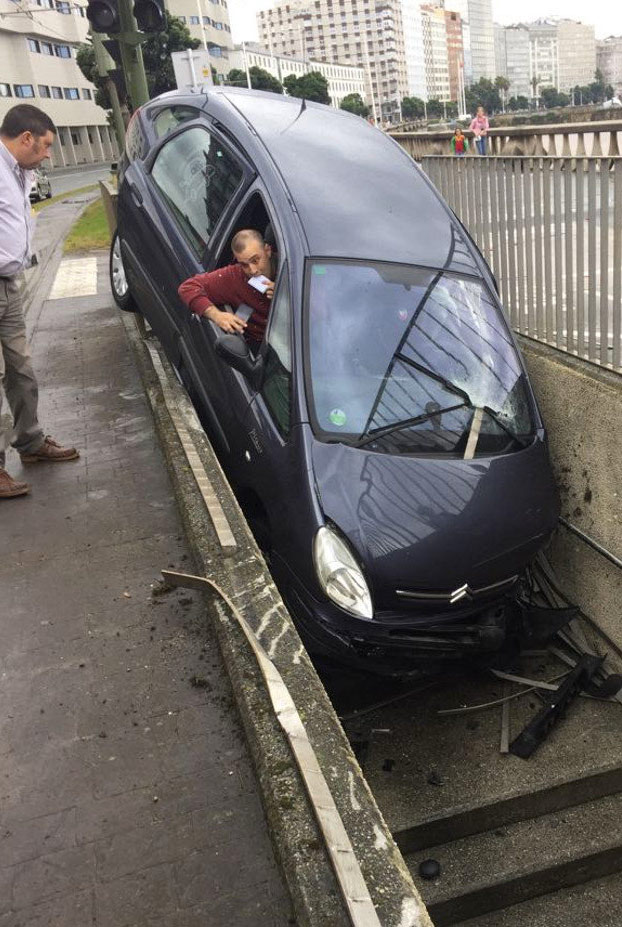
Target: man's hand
227, 321
269, 290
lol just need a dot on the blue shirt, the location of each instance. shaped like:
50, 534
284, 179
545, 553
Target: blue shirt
15, 224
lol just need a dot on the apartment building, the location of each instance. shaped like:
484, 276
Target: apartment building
372, 34
478, 37
436, 55
609, 61
455, 52
562, 54
512, 57
208, 21
342, 79
38, 45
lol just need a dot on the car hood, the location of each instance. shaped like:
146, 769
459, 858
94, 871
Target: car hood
423, 523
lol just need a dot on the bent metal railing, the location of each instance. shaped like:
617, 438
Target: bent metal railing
551, 229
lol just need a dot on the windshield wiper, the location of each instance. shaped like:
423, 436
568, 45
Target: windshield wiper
523, 440
449, 386
375, 433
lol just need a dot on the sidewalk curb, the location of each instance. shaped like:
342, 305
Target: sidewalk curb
243, 575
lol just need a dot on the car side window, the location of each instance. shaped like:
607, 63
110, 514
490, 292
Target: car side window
197, 177
277, 384
169, 118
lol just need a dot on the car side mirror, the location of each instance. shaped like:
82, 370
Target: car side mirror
236, 352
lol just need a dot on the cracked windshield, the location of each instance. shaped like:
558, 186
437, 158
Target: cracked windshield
411, 360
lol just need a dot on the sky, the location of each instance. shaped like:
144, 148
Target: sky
606, 15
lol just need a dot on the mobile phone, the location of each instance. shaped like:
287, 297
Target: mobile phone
259, 282
243, 312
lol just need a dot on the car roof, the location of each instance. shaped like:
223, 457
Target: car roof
356, 191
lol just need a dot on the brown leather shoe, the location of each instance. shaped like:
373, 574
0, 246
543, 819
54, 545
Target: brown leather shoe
50, 452
10, 487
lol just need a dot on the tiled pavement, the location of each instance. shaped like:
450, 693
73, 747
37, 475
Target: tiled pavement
127, 797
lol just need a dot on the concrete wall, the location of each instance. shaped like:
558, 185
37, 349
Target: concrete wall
582, 408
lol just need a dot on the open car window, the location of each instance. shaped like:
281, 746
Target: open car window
403, 359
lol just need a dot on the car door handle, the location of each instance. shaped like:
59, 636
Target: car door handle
136, 194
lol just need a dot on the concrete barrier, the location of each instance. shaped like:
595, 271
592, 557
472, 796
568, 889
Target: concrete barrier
582, 407
241, 572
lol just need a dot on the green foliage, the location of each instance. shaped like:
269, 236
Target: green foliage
260, 79
435, 108
483, 93
157, 52
551, 97
354, 103
312, 86
413, 108
519, 102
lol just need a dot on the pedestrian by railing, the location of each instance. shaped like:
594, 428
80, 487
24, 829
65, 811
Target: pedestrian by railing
551, 229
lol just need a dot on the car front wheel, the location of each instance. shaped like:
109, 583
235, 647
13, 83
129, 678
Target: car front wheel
118, 280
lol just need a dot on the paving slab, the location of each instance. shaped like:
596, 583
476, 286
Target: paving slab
127, 796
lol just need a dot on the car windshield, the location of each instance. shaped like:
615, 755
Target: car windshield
404, 359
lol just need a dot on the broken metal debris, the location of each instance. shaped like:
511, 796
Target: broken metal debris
536, 731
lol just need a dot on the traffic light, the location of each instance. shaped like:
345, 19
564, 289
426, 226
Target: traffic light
150, 15
103, 15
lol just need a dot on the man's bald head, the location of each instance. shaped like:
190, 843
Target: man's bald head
252, 253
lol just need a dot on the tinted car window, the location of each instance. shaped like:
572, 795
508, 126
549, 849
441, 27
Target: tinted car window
135, 141
197, 178
401, 358
169, 118
276, 388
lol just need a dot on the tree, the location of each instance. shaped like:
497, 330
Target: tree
354, 103
260, 79
157, 52
435, 108
503, 85
311, 86
413, 108
551, 97
535, 83
483, 93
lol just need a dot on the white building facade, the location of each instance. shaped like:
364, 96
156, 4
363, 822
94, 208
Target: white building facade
207, 21
342, 79
609, 61
373, 35
436, 53
38, 66
562, 54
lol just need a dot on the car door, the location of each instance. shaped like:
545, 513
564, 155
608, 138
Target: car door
179, 196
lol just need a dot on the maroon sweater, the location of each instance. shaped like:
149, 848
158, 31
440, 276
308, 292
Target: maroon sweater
227, 285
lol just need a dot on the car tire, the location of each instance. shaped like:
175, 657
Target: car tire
118, 280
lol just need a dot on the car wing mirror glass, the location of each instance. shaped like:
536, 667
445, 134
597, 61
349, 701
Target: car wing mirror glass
235, 351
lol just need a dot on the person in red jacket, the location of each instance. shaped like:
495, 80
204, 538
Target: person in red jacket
203, 293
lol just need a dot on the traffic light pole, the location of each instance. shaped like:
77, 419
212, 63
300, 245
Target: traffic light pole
104, 65
132, 55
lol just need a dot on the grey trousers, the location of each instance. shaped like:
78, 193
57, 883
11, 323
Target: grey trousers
17, 376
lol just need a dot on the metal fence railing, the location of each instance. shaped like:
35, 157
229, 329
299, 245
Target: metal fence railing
551, 229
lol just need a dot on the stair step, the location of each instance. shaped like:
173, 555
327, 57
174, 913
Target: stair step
493, 870
597, 904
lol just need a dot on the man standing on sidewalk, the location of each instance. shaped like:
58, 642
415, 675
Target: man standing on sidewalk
26, 136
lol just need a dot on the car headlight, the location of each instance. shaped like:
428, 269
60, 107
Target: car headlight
339, 574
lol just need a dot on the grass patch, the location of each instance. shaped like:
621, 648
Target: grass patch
37, 207
90, 231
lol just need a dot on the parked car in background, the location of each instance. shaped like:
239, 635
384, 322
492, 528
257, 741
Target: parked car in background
42, 188
384, 442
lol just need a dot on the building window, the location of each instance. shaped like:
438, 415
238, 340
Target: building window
5, 90
57, 93
63, 7
24, 91
86, 94
33, 45
182, 19
46, 48
44, 90
75, 138
71, 93
62, 51
194, 20
61, 136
